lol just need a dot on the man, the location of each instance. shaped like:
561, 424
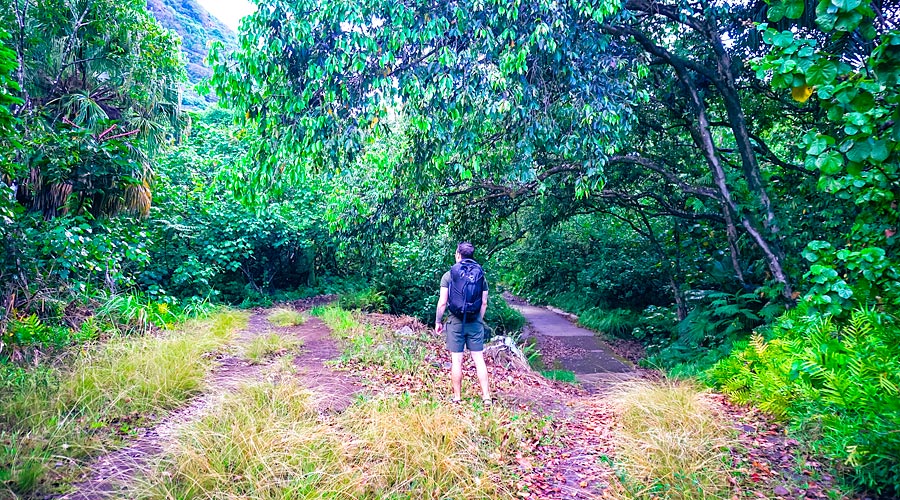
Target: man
465, 290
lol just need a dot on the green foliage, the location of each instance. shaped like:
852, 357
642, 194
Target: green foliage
853, 147
560, 375
616, 322
709, 332
58, 258
838, 383
207, 244
368, 300
8, 99
101, 98
457, 77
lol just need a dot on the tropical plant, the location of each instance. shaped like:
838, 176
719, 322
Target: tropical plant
838, 383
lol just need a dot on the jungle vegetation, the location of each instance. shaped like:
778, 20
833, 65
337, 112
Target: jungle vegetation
718, 181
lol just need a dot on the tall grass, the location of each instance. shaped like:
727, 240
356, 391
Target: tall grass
371, 345
264, 442
79, 408
672, 444
264, 346
283, 316
267, 441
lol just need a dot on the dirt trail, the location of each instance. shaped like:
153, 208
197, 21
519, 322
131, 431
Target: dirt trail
111, 472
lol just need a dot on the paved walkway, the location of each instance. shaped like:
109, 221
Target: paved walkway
594, 364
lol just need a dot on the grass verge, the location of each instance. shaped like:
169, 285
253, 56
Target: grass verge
672, 445
560, 375
369, 344
267, 441
55, 418
273, 344
283, 316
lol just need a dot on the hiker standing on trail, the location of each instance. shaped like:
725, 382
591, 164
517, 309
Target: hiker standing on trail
464, 291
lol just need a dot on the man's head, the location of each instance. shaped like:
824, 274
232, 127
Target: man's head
464, 250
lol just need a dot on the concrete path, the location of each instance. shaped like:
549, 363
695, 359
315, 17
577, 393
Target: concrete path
594, 364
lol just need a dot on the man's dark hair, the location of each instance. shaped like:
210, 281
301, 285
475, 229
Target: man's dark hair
466, 250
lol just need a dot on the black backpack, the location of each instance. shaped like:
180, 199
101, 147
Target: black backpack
466, 287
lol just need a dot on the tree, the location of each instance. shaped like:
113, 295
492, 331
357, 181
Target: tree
101, 94
844, 58
486, 91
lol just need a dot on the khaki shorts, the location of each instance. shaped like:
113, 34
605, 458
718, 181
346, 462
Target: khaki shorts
460, 336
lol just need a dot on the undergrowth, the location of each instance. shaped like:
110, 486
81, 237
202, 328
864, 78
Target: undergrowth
837, 382
55, 417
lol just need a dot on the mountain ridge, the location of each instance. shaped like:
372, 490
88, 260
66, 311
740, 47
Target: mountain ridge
197, 29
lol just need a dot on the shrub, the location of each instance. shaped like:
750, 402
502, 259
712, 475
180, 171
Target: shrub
368, 300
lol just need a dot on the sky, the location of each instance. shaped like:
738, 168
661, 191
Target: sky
228, 11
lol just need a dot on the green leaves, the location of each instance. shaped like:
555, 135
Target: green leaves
822, 72
830, 163
458, 73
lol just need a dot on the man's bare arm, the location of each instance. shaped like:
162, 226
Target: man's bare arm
441, 307
484, 302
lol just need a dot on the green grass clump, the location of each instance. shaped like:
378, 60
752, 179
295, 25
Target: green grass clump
268, 441
283, 316
616, 322
371, 345
264, 346
671, 444
560, 375
68, 413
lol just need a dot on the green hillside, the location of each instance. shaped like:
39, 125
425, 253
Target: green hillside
197, 29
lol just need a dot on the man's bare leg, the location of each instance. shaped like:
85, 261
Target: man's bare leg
481, 370
456, 359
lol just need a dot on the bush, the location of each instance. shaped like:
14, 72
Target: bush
504, 320
616, 322
837, 382
367, 300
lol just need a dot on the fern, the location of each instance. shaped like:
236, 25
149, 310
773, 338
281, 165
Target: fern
839, 382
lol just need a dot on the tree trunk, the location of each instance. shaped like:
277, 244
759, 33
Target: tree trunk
731, 232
